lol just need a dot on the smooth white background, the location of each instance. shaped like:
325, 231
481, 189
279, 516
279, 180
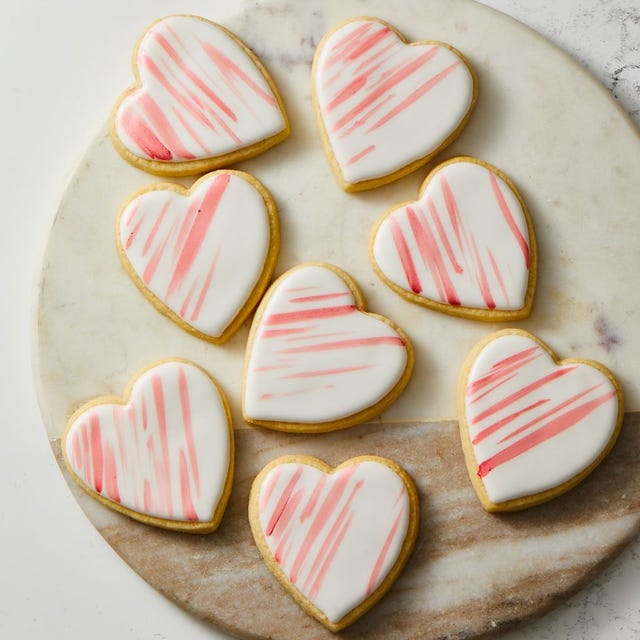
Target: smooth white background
62, 65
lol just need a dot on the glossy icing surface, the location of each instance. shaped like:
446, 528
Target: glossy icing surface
165, 453
385, 103
335, 536
185, 249
201, 95
534, 425
464, 242
314, 357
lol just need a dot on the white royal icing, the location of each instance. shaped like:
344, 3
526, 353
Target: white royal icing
315, 358
385, 103
534, 425
165, 453
201, 95
195, 253
337, 536
465, 242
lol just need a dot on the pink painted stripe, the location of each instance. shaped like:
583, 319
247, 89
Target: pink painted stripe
138, 130
444, 238
282, 501
323, 515
206, 286
188, 509
329, 559
97, 460
326, 372
165, 468
414, 96
195, 238
269, 488
308, 314
307, 512
502, 369
340, 49
163, 127
321, 296
382, 556
347, 344
185, 407
229, 69
550, 412
327, 544
496, 426
508, 216
111, 473
521, 393
361, 154
432, 258
541, 435
277, 333
404, 254
498, 275
156, 227
396, 78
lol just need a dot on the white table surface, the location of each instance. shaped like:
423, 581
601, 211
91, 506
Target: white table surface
63, 63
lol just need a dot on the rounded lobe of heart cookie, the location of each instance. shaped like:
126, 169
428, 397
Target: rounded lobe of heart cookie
181, 248
533, 427
466, 247
202, 100
335, 538
164, 456
316, 361
385, 106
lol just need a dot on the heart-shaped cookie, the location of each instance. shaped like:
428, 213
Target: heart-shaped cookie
336, 539
466, 247
190, 254
162, 455
385, 106
202, 100
316, 361
532, 427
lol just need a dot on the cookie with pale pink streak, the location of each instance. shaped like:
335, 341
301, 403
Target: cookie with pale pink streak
189, 252
336, 539
385, 106
202, 100
316, 360
466, 247
163, 454
533, 426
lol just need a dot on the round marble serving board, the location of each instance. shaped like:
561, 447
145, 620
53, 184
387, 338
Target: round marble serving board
574, 156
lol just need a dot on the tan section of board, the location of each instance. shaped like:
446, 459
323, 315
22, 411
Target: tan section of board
471, 572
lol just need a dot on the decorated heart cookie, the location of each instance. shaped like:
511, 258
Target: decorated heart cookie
316, 361
533, 427
386, 107
202, 100
191, 253
466, 247
163, 455
336, 539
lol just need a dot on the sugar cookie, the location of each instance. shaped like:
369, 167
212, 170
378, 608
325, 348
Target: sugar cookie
189, 252
385, 106
316, 360
163, 454
466, 247
202, 100
532, 426
336, 539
